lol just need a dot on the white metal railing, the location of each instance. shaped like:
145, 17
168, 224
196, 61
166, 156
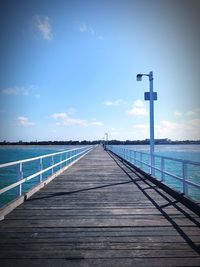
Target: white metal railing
183, 175
38, 167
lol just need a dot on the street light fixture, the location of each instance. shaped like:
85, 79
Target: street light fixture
150, 96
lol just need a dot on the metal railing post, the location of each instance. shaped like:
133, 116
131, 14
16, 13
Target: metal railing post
52, 163
153, 165
141, 158
129, 155
162, 169
60, 161
40, 167
19, 177
134, 157
185, 187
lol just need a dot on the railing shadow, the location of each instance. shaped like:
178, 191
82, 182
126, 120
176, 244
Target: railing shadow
76, 191
182, 233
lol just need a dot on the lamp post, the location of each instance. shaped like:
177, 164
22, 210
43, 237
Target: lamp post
150, 96
106, 134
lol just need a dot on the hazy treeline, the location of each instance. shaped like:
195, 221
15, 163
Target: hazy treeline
95, 142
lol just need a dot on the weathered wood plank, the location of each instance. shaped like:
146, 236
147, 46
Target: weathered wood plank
94, 214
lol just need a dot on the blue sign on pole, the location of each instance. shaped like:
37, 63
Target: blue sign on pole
147, 96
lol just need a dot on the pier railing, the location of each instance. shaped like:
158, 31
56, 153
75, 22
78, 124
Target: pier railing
182, 175
19, 177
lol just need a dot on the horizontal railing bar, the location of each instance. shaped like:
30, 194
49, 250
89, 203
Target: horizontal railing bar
157, 169
123, 153
7, 188
142, 162
192, 183
53, 166
177, 177
179, 160
165, 157
36, 158
168, 173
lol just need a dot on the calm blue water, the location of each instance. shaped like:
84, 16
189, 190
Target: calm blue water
9, 175
184, 152
188, 152
14, 153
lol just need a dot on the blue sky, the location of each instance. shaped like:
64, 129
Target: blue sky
68, 69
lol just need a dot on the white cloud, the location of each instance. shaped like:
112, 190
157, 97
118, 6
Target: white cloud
61, 115
97, 123
24, 121
71, 111
18, 90
191, 113
113, 103
177, 114
43, 25
138, 109
189, 129
64, 119
29, 90
85, 28
73, 121
184, 130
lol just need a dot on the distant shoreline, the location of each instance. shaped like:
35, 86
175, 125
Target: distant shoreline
110, 142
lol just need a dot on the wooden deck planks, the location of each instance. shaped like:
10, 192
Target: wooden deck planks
100, 212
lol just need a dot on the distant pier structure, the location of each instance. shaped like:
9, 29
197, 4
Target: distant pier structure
102, 211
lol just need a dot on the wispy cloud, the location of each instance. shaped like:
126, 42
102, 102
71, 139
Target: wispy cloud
65, 119
189, 129
71, 111
18, 90
138, 109
24, 121
177, 114
72, 121
30, 90
191, 113
42, 24
85, 28
57, 116
113, 103
96, 123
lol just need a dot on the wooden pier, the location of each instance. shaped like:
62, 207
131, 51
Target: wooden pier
100, 212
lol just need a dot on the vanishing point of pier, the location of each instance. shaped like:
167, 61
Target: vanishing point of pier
100, 212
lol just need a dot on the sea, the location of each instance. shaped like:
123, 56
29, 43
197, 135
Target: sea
183, 152
8, 175
15, 153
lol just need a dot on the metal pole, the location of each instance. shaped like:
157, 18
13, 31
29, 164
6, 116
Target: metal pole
106, 134
151, 121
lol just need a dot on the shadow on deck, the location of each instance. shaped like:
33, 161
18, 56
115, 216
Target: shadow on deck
100, 212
